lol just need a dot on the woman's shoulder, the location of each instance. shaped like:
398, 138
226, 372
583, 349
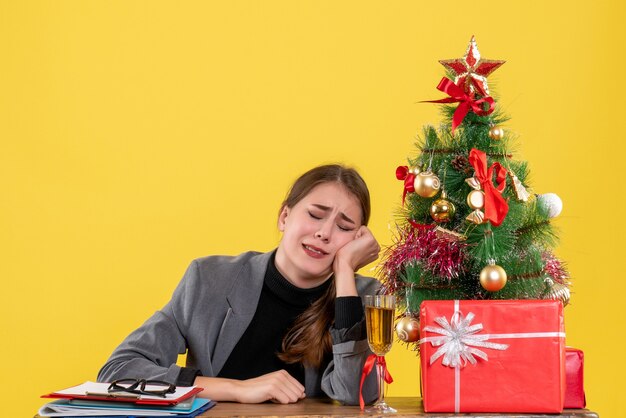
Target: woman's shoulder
219, 276
227, 261
226, 268
366, 285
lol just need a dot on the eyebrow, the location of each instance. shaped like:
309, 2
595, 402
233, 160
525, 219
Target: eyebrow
343, 215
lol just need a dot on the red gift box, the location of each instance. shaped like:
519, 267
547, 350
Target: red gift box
574, 390
492, 356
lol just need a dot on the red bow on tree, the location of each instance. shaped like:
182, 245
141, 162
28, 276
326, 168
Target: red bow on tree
496, 207
466, 101
371, 360
403, 173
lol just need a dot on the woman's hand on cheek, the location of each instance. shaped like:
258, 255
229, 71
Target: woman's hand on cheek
362, 250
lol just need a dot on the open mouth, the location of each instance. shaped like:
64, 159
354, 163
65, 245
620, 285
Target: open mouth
314, 251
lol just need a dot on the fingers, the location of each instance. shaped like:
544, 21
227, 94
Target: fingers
370, 248
289, 387
362, 250
277, 386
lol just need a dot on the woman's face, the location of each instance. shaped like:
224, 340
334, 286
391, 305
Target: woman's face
314, 230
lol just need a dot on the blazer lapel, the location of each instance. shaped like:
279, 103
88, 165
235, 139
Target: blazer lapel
242, 299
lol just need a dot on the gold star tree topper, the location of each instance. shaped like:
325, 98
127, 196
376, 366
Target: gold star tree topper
471, 70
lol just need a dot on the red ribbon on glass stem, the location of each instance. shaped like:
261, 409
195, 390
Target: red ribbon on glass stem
403, 173
466, 101
371, 360
496, 207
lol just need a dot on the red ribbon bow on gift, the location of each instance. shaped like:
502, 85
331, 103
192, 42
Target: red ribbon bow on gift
367, 368
403, 173
496, 207
466, 101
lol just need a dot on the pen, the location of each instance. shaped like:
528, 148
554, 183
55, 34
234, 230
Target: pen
114, 395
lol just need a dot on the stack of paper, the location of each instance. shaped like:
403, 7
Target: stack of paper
93, 399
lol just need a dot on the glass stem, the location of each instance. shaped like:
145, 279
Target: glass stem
381, 382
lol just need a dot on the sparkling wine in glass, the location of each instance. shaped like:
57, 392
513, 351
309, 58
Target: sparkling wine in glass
379, 318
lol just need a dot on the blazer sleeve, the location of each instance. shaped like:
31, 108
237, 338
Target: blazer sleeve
151, 351
342, 377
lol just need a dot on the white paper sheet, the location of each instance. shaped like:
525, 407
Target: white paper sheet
102, 388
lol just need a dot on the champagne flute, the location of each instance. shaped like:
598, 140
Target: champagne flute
379, 318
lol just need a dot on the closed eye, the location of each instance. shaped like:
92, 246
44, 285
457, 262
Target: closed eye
312, 215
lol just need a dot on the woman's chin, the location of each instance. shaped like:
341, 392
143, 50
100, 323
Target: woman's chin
317, 276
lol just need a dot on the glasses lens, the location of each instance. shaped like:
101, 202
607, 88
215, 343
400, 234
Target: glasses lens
157, 387
124, 385
142, 386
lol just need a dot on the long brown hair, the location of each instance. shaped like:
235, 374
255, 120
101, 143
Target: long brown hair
309, 339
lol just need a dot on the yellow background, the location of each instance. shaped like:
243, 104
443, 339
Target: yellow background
136, 136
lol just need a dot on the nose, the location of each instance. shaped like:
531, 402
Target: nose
324, 232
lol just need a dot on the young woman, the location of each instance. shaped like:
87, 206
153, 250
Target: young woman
277, 326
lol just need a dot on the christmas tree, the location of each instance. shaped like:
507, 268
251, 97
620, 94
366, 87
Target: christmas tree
470, 227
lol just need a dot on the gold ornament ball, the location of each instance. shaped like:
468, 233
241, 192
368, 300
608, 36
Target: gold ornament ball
558, 291
476, 199
408, 329
426, 184
496, 133
442, 210
493, 278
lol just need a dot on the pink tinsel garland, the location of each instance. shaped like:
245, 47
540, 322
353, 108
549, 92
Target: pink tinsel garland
554, 268
420, 244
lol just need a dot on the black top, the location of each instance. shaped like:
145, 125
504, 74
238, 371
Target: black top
280, 303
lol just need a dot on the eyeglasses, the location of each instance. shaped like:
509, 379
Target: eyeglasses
138, 386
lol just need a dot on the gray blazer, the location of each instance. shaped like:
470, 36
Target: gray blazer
207, 315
